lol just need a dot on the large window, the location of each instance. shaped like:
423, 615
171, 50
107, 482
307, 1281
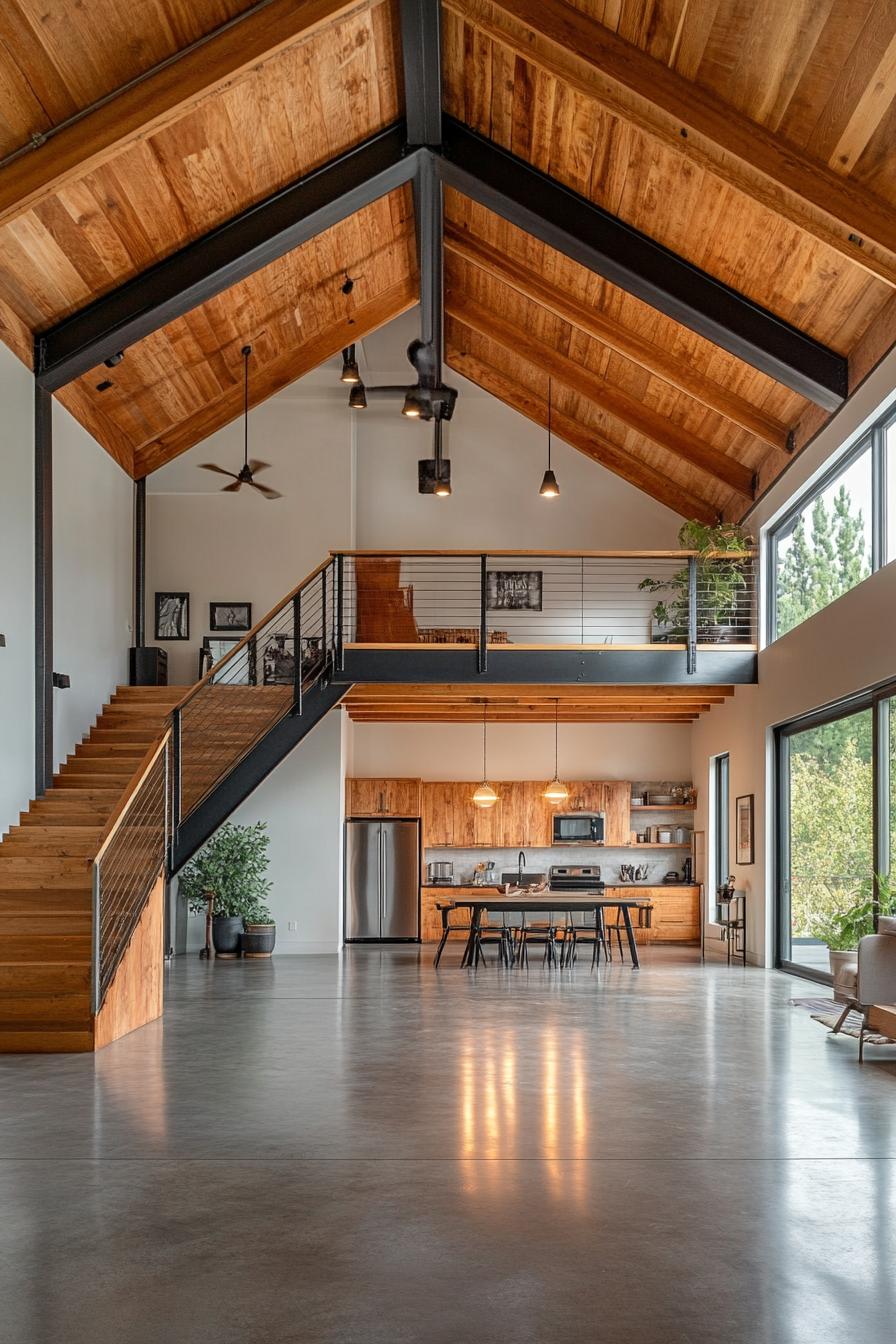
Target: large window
836, 818
837, 534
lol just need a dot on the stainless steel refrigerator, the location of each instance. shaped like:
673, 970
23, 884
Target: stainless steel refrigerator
382, 881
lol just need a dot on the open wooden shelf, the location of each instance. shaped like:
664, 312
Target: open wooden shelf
646, 844
663, 807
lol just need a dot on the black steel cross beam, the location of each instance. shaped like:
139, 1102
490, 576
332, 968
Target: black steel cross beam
223, 257
500, 181
539, 205
421, 47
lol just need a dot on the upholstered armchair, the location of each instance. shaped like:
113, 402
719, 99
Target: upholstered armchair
871, 978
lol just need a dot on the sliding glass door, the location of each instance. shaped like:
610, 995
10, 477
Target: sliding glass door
836, 822
826, 816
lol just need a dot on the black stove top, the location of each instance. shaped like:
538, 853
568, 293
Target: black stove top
573, 877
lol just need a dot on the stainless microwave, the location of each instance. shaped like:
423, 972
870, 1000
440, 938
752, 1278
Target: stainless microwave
578, 828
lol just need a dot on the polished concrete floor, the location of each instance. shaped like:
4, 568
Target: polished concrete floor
372, 1152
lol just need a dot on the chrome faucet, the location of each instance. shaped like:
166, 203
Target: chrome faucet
521, 863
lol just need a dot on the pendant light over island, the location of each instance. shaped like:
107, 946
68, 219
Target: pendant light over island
484, 795
556, 792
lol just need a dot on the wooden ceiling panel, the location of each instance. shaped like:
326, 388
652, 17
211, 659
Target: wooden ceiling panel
56, 60
372, 703
659, 187
183, 382
295, 111
579, 422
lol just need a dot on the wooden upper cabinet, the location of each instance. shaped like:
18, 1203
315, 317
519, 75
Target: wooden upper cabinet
438, 815
617, 808
382, 797
585, 795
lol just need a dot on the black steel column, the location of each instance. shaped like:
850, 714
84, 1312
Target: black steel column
140, 562
692, 615
43, 589
428, 212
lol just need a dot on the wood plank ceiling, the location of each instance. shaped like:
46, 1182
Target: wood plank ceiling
755, 140
370, 703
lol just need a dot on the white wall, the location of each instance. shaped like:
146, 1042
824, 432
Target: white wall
92, 577
16, 588
302, 802
847, 647
242, 547
522, 751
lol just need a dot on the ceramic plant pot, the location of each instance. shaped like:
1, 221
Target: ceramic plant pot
226, 933
258, 940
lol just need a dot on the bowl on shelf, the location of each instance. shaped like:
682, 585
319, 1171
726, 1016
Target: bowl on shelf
661, 798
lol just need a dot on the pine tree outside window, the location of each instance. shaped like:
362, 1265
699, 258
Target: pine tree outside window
837, 534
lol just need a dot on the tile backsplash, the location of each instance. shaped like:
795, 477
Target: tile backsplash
541, 860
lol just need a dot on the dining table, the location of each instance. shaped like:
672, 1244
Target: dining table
538, 901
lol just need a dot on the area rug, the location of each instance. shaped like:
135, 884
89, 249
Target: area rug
851, 1027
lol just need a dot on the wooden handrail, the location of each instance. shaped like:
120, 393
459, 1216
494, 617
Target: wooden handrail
124, 803
254, 632
551, 555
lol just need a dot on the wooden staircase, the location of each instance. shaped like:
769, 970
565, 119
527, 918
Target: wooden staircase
46, 880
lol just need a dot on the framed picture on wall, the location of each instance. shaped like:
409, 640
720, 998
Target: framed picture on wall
743, 828
513, 590
214, 647
172, 615
230, 616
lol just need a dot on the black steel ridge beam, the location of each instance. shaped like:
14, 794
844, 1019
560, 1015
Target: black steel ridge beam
230, 253
421, 45
626, 257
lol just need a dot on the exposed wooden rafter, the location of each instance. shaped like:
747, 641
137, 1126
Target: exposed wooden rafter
451, 703
274, 376
161, 99
606, 397
579, 435
592, 60
624, 340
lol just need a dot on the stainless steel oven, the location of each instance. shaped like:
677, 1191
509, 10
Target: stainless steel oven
578, 828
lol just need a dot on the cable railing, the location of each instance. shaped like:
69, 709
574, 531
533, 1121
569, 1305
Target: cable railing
261, 679
128, 863
597, 599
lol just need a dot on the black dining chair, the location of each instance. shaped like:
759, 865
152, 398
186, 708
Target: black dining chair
463, 923
547, 929
585, 926
616, 925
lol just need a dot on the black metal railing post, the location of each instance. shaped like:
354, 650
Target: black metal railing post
483, 616
339, 602
252, 661
325, 648
176, 759
95, 1000
692, 615
297, 652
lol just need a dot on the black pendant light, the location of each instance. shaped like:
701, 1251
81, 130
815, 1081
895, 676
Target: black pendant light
549, 487
357, 398
349, 372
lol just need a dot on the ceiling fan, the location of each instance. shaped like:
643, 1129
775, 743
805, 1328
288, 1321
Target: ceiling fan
249, 469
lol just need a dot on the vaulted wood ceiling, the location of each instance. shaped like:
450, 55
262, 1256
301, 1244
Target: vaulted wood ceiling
754, 140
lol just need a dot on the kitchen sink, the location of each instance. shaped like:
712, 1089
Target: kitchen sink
527, 879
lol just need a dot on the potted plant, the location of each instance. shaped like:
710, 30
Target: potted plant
722, 558
228, 874
260, 932
842, 929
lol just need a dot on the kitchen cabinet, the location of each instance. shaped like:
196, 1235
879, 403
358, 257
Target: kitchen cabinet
438, 815
676, 912
525, 816
617, 809
382, 797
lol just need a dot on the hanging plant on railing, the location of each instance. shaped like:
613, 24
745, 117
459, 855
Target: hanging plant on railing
723, 557
227, 881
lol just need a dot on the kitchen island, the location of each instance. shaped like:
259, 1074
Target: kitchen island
676, 909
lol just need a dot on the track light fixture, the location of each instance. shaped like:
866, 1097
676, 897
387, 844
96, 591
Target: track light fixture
414, 403
357, 398
349, 372
549, 487
434, 473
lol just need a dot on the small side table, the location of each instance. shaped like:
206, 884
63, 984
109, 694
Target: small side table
733, 919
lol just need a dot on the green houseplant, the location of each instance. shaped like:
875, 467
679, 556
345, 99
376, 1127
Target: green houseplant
722, 560
841, 930
260, 932
230, 872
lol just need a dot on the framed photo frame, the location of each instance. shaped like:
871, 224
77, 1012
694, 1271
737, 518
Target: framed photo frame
278, 661
172, 612
227, 616
513, 590
743, 829
214, 647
